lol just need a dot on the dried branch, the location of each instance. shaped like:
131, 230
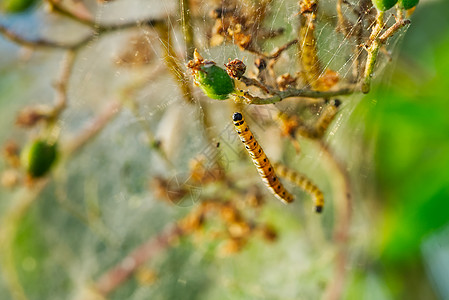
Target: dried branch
254, 82
343, 205
97, 31
121, 272
281, 95
61, 85
393, 29
187, 28
57, 7
94, 128
38, 43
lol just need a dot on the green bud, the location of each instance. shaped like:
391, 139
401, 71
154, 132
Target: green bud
38, 157
16, 6
384, 5
407, 4
214, 81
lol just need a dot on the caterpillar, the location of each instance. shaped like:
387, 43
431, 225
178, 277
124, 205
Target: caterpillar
260, 160
303, 182
294, 126
308, 48
327, 116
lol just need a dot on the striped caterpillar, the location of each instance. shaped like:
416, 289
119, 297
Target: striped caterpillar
302, 182
260, 160
310, 62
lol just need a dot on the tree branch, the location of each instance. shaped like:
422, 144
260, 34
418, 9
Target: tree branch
281, 95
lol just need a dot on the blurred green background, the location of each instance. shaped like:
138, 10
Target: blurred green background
407, 120
400, 250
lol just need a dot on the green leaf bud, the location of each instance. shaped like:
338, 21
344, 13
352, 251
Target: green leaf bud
408, 4
213, 80
384, 5
38, 157
17, 6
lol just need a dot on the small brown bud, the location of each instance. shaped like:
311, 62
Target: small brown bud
235, 68
285, 80
29, 116
11, 153
269, 233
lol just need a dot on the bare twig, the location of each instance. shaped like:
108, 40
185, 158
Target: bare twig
275, 54
187, 28
393, 29
15, 38
343, 205
281, 95
374, 44
61, 84
278, 52
98, 30
254, 82
172, 62
95, 127
121, 272
57, 7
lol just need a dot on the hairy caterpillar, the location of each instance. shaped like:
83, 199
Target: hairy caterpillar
302, 182
260, 160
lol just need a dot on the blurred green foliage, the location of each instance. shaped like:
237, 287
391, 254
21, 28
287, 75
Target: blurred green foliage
408, 118
17, 6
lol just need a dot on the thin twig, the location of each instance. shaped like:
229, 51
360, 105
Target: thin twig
278, 52
172, 62
374, 44
187, 28
98, 31
95, 127
393, 29
118, 274
57, 7
343, 205
281, 95
38, 43
373, 49
275, 55
62, 83
254, 82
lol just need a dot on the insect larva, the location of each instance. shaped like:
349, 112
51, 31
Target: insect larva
384, 5
302, 182
310, 62
326, 117
293, 126
260, 160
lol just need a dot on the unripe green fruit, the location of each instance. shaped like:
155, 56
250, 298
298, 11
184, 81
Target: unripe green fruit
38, 157
384, 5
214, 81
407, 4
16, 6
